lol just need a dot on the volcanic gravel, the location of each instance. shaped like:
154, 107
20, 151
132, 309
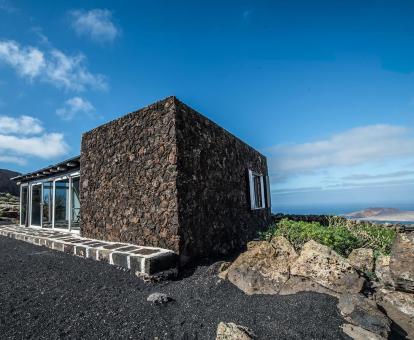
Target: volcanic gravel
45, 294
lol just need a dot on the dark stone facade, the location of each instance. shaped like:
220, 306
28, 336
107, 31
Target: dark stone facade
213, 190
166, 176
128, 179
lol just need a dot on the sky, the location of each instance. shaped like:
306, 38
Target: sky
324, 89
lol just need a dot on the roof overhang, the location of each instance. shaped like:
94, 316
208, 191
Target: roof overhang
71, 164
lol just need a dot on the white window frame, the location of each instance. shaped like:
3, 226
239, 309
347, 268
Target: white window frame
26, 185
31, 185
252, 190
71, 177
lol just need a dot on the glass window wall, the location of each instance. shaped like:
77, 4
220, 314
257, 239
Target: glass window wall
52, 204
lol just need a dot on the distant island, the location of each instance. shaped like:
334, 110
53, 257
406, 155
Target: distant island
382, 214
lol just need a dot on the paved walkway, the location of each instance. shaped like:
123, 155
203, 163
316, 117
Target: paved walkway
139, 259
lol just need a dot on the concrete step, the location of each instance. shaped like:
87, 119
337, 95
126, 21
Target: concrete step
139, 259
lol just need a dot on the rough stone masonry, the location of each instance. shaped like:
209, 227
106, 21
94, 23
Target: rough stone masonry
166, 176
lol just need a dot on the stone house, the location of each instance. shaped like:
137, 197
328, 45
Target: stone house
162, 176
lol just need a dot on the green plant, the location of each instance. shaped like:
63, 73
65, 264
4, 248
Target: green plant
340, 235
378, 238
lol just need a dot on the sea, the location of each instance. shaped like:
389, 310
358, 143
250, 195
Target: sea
337, 209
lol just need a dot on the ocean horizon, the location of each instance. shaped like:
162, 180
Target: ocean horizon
335, 209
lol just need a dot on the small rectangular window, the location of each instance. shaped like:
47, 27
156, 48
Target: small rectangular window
257, 190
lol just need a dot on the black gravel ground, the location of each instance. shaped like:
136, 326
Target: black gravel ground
47, 295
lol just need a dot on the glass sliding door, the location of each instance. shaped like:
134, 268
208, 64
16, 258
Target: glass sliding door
47, 205
24, 200
62, 210
75, 204
36, 206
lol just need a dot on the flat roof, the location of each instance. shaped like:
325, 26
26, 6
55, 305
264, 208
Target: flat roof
52, 170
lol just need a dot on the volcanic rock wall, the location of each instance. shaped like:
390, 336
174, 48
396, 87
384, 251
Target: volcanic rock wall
213, 189
128, 179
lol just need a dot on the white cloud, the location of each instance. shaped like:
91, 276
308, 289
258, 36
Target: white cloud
24, 125
53, 66
96, 24
16, 145
48, 145
27, 61
13, 159
350, 148
71, 73
74, 106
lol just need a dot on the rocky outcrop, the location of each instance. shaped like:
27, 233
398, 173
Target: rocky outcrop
325, 267
275, 268
9, 209
382, 271
231, 331
402, 262
399, 307
358, 333
362, 259
264, 267
362, 312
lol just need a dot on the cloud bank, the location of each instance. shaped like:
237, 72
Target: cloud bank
352, 147
24, 137
381, 151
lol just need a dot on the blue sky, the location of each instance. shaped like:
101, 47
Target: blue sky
324, 89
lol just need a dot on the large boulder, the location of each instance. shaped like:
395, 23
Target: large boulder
264, 267
362, 259
362, 312
358, 333
231, 331
325, 267
399, 307
402, 262
382, 271
297, 284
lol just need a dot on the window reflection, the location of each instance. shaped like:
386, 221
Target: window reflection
75, 203
36, 204
62, 204
47, 205
24, 203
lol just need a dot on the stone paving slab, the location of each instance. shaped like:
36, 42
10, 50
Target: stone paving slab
139, 259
